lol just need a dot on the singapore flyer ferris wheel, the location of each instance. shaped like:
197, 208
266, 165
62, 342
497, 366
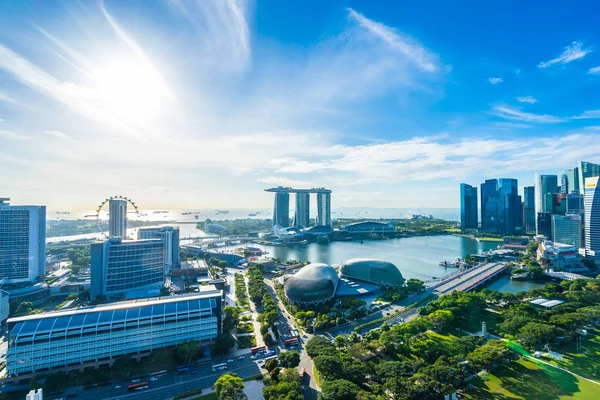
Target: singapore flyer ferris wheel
100, 214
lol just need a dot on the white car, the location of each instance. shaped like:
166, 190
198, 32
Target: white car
253, 357
153, 379
230, 360
118, 387
241, 358
135, 381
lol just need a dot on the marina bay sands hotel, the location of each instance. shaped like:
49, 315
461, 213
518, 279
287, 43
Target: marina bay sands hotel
281, 209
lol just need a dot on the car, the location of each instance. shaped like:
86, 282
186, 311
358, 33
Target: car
118, 387
153, 379
241, 358
135, 381
230, 360
305, 336
261, 361
253, 357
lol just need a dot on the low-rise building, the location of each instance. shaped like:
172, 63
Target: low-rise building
562, 256
96, 335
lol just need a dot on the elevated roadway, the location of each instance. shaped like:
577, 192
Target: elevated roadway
469, 279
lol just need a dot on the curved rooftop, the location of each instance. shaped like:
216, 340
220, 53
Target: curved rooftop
313, 284
373, 271
368, 227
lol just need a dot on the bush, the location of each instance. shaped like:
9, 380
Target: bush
189, 393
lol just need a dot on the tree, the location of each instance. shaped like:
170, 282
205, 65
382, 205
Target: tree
231, 316
187, 351
271, 317
285, 387
569, 321
223, 344
271, 364
440, 318
513, 323
494, 352
223, 266
329, 367
339, 389
289, 359
536, 333
340, 341
230, 386
56, 382
415, 285
319, 345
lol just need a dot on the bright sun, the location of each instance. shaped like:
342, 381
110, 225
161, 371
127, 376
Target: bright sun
130, 89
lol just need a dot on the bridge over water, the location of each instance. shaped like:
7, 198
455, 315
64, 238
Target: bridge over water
468, 279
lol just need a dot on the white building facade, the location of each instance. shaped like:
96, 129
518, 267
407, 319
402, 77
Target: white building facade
72, 337
562, 256
170, 237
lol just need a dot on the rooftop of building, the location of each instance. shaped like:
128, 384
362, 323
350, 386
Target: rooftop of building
372, 270
121, 305
312, 284
546, 303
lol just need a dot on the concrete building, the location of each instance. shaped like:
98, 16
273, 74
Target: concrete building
324, 208
120, 266
170, 237
544, 185
468, 207
592, 219
117, 218
562, 256
95, 335
567, 229
302, 215
22, 242
529, 208
35, 394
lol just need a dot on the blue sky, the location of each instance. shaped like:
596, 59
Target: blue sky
205, 103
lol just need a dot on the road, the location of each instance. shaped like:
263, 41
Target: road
311, 389
170, 385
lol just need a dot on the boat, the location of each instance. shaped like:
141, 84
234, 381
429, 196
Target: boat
222, 212
160, 212
252, 214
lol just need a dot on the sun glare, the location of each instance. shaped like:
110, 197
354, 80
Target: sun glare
130, 89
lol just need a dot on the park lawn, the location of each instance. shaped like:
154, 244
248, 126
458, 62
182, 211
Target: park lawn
526, 380
492, 320
210, 396
453, 230
490, 239
584, 363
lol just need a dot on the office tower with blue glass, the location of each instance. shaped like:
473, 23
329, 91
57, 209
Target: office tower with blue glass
468, 207
592, 218
546, 186
324, 208
587, 170
529, 208
127, 267
22, 242
302, 215
566, 229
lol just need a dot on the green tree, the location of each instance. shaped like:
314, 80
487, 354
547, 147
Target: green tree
289, 359
339, 389
231, 318
271, 317
223, 344
329, 366
415, 285
230, 386
319, 345
494, 352
271, 364
223, 266
187, 351
440, 318
537, 333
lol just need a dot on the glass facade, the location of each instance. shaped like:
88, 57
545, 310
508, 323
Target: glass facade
22, 242
170, 237
544, 224
324, 209
117, 218
63, 338
281, 211
587, 170
468, 207
302, 216
488, 189
529, 208
566, 229
121, 266
592, 218
545, 185
572, 175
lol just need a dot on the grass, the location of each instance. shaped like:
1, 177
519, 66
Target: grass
587, 361
490, 239
210, 396
245, 342
453, 230
527, 380
316, 375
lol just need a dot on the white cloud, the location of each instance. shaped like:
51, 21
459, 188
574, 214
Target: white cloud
518, 115
527, 99
10, 135
570, 53
594, 71
1, 120
495, 81
588, 114
511, 125
59, 135
412, 49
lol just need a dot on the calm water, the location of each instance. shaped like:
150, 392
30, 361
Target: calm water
416, 257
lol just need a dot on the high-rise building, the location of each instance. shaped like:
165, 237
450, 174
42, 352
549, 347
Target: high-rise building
495, 214
592, 218
564, 184
170, 237
324, 208
572, 179
508, 189
120, 266
487, 189
544, 185
281, 210
22, 242
302, 215
574, 204
587, 170
468, 207
87, 337
117, 218
566, 229
529, 208
544, 222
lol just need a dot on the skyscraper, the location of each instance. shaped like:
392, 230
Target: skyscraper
544, 185
508, 189
117, 218
587, 170
488, 189
529, 200
302, 215
564, 184
121, 266
566, 229
572, 179
170, 237
324, 208
574, 203
468, 207
544, 224
281, 212
592, 218
22, 242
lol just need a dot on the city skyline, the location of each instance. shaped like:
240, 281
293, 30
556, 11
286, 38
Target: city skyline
115, 97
